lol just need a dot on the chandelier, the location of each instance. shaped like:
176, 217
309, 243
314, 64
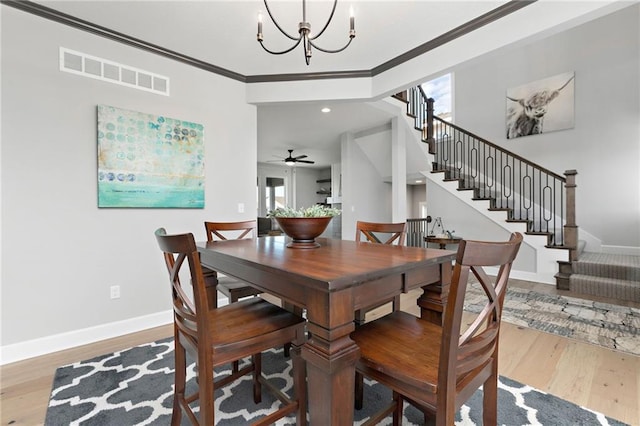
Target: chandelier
304, 30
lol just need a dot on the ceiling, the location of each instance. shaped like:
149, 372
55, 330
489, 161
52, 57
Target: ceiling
223, 34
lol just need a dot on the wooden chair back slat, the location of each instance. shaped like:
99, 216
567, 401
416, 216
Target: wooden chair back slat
371, 231
180, 250
221, 230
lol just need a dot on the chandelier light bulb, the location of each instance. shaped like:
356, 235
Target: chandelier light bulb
260, 26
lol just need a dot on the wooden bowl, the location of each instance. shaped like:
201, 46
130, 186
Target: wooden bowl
303, 230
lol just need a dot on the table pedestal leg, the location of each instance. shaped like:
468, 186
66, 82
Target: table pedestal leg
331, 376
434, 299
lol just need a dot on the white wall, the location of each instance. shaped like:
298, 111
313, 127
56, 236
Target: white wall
416, 194
463, 221
364, 194
603, 146
60, 252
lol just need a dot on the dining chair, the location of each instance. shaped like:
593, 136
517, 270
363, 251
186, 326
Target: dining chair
380, 233
215, 337
437, 368
231, 287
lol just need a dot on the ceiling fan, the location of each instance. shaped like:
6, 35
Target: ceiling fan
291, 160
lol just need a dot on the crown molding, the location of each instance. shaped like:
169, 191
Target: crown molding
466, 28
63, 18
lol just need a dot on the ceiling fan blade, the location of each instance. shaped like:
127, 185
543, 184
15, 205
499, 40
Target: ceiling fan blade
299, 157
305, 161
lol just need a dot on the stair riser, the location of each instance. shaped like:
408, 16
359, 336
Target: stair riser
621, 272
623, 290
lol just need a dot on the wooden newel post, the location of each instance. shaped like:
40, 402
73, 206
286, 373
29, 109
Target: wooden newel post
427, 128
571, 228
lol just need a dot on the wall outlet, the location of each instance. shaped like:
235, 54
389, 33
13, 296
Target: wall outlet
240, 207
115, 291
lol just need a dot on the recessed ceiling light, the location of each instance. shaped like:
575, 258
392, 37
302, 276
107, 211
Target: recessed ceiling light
326, 110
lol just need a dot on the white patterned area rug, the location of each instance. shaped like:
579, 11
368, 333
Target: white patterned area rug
135, 387
604, 324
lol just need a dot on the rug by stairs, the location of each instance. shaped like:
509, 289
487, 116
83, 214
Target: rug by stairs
604, 324
614, 276
135, 387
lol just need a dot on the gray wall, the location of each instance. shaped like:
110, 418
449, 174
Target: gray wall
60, 252
604, 145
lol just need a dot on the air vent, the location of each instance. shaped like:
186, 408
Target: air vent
103, 69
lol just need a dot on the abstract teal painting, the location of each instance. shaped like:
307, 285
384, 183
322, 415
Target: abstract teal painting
147, 160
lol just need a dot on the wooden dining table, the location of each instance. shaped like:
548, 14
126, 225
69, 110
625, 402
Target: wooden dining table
331, 282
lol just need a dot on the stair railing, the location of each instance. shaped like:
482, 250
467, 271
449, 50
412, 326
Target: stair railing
417, 230
529, 193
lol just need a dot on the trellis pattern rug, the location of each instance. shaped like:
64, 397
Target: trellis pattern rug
135, 387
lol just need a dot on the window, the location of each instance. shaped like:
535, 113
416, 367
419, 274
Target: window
441, 91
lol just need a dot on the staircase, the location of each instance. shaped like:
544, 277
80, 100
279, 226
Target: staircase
538, 199
528, 194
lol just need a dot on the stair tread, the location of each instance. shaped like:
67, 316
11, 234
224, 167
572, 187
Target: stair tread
610, 259
620, 266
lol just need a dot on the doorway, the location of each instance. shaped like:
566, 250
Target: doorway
273, 189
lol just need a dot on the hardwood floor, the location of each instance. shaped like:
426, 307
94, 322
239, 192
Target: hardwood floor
591, 376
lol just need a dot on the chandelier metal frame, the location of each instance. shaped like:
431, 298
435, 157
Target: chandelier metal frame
304, 29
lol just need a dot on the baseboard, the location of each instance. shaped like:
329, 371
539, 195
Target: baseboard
45, 345
524, 276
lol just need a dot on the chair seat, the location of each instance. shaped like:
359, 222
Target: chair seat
240, 328
401, 346
235, 289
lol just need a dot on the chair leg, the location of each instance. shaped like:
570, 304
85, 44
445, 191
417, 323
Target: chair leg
296, 310
359, 391
257, 372
235, 365
299, 382
397, 412
180, 382
396, 304
490, 397
206, 391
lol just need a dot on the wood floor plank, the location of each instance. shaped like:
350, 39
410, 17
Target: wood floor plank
616, 386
